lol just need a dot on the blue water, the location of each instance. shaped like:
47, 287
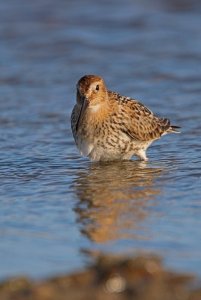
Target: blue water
56, 207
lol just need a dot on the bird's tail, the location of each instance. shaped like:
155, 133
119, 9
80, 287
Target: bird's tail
174, 129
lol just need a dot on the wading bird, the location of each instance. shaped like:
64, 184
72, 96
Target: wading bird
107, 126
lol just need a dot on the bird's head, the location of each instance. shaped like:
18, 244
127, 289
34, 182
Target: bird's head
92, 89
91, 95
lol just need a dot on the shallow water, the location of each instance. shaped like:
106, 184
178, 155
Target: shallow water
56, 207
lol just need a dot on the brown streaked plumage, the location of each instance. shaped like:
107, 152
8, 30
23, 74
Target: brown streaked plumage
108, 126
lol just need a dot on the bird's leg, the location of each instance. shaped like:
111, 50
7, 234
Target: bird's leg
142, 155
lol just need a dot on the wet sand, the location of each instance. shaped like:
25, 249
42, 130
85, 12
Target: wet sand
111, 277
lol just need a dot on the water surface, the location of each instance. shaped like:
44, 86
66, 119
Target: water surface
56, 207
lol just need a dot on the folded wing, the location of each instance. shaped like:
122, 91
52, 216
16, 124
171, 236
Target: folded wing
142, 124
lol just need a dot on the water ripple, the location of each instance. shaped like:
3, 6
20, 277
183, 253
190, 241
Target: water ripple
54, 203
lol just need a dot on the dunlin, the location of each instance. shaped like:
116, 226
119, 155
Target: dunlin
107, 126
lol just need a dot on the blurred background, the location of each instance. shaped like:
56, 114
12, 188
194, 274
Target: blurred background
56, 207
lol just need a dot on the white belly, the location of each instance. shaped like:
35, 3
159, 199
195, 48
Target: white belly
84, 147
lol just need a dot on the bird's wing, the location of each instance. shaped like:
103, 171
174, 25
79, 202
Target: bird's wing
139, 122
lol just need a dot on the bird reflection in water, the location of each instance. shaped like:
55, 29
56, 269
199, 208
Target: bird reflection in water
115, 198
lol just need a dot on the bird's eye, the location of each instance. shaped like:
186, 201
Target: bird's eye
97, 87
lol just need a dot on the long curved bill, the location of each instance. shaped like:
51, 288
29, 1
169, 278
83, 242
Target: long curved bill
82, 113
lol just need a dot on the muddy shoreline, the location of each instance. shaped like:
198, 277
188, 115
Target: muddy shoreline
110, 277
